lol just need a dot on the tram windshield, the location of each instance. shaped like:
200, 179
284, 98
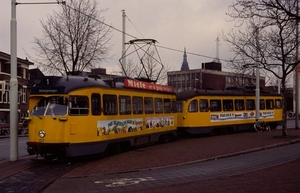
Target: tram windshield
51, 106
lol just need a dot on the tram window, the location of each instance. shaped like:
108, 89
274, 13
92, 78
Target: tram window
148, 105
125, 105
239, 104
270, 104
227, 105
215, 105
167, 105
96, 106
158, 106
137, 104
278, 104
250, 104
261, 104
193, 106
54, 105
79, 105
177, 106
110, 104
203, 105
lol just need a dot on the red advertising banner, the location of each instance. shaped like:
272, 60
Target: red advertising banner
131, 83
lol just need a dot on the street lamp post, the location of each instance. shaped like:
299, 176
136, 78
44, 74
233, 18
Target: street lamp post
13, 93
13, 85
257, 92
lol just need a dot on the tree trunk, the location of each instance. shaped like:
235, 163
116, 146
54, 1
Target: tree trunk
284, 115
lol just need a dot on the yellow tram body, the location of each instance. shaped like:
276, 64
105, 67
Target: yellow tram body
218, 111
75, 116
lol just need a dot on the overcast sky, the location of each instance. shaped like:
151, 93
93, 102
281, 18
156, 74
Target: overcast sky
175, 24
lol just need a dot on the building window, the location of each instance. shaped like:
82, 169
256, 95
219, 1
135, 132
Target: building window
6, 94
2, 90
24, 94
24, 73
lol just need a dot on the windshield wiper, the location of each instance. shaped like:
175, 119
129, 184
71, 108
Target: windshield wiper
51, 110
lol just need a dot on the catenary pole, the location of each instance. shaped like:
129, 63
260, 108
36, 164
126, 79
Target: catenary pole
13, 92
297, 70
257, 90
123, 42
13, 95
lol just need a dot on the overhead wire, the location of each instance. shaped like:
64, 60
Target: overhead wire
132, 36
133, 25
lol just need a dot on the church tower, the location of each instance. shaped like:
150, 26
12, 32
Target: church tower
185, 64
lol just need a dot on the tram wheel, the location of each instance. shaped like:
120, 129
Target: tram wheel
117, 148
213, 132
165, 138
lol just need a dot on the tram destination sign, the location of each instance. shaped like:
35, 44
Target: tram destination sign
130, 83
47, 90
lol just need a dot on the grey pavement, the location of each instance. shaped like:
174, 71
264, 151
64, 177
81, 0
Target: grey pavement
180, 173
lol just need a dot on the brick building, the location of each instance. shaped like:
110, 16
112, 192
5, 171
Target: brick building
210, 76
23, 90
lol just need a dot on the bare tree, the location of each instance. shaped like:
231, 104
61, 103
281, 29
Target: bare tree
152, 68
75, 38
266, 37
131, 69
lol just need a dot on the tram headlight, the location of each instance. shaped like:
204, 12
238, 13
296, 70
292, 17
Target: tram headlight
42, 133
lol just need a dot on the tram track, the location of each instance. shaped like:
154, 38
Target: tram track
36, 176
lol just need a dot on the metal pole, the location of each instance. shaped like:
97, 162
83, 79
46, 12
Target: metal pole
278, 81
13, 95
297, 72
123, 42
257, 91
257, 95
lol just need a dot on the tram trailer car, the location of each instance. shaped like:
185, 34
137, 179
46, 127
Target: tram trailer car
75, 116
225, 111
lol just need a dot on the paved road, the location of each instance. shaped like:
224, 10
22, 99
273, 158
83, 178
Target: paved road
166, 176
5, 147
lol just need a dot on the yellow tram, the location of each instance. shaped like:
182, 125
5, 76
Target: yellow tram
75, 116
225, 111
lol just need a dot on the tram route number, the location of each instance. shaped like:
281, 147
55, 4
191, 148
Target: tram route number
123, 181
